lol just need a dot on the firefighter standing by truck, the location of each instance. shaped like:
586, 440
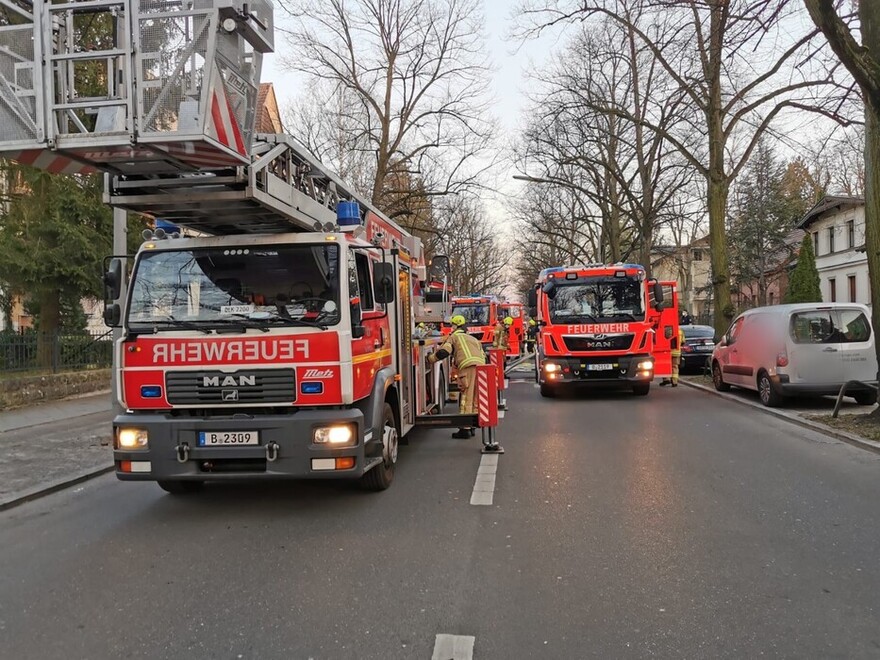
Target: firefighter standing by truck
501, 338
467, 353
676, 360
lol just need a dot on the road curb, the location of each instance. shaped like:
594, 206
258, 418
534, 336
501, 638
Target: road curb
53, 487
850, 438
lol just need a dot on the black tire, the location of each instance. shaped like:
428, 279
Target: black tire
868, 398
381, 476
442, 393
718, 379
641, 389
181, 487
548, 391
769, 396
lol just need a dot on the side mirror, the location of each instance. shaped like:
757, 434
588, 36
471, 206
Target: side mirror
532, 300
549, 289
533, 311
439, 266
113, 279
112, 315
658, 295
383, 283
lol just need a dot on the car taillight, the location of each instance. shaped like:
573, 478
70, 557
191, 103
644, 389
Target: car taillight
687, 348
782, 359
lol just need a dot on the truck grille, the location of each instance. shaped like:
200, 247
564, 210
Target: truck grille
610, 343
231, 388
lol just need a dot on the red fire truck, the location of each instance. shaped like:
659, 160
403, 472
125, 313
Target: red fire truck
480, 311
275, 340
602, 325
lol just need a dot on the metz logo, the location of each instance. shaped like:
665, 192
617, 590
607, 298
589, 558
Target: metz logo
318, 373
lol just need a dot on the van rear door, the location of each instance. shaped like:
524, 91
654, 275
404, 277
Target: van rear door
815, 356
859, 362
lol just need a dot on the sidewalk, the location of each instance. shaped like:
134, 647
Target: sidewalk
53, 445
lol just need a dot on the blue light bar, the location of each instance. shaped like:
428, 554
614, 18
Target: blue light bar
151, 391
311, 388
348, 214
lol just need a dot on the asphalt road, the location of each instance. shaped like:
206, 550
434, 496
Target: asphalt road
676, 525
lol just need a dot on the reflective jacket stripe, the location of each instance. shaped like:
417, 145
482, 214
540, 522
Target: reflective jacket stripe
466, 350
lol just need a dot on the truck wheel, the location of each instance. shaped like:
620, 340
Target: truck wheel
442, 394
641, 389
548, 391
381, 476
718, 379
181, 487
865, 398
769, 396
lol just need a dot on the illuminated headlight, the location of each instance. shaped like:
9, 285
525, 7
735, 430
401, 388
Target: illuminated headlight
132, 438
645, 366
341, 434
551, 368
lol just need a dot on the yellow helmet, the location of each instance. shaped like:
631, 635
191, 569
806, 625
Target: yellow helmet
532, 322
508, 320
458, 320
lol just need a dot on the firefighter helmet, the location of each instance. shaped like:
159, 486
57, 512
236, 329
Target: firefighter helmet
532, 322
508, 320
458, 320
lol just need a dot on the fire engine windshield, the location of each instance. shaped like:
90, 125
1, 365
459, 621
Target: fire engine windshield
597, 299
473, 314
254, 285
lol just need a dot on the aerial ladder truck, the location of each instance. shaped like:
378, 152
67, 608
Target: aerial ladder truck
266, 329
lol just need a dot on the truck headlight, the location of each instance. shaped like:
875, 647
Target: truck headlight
645, 366
127, 438
340, 435
551, 368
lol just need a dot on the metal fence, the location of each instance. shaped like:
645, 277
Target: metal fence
55, 352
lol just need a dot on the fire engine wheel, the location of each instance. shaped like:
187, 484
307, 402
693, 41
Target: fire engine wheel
548, 391
381, 476
641, 389
718, 379
442, 394
181, 487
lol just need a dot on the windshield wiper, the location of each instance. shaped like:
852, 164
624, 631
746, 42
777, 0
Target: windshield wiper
277, 319
627, 314
180, 323
243, 321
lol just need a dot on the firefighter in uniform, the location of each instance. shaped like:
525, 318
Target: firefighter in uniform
501, 338
467, 353
532, 335
676, 360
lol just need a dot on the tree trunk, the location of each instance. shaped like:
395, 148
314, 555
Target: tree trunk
50, 319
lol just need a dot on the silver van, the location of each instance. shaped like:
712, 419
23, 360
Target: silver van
798, 349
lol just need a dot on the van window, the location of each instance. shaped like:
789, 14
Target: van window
813, 327
735, 328
855, 326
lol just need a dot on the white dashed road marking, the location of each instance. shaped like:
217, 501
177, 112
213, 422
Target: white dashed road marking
453, 647
484, 486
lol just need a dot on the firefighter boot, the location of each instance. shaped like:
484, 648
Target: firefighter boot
462, 434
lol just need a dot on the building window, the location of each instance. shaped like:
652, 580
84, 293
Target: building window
830, 240
816, 243
698, 255
832, 286
851, 233
770, 298
851, 280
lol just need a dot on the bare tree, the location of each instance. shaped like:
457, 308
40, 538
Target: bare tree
738, 65
863, 62
417, 75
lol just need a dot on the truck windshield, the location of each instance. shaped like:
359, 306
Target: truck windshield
473, 314
597, 299
212, 287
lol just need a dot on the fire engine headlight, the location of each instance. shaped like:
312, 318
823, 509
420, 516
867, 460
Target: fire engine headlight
132, 438
647, 365
340, 435
552, 368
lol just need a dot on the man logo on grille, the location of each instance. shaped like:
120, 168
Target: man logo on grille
230, 395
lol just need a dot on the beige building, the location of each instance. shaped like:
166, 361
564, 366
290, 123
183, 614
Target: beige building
690, 266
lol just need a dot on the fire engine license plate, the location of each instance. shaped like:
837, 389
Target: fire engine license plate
600, 367
214, 438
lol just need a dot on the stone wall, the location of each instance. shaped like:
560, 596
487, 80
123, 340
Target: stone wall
28, 390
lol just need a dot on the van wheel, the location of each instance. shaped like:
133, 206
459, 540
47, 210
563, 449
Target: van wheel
718, 379
769, 396
381, 476
641, 389
181, 487
548, 391
865, 398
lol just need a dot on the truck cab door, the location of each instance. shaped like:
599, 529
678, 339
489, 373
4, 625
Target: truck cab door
666, 330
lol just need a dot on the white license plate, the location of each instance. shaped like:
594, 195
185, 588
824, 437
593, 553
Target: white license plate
707, 348
600, 367
215, 438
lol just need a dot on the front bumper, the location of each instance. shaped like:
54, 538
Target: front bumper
174, 453
594, 370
